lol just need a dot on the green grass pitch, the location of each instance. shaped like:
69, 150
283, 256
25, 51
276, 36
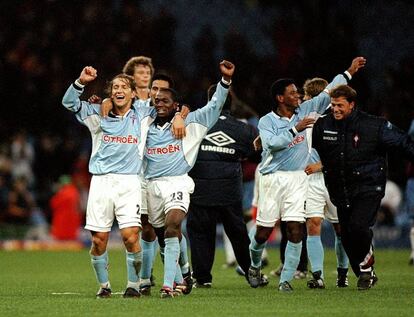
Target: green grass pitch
41, 283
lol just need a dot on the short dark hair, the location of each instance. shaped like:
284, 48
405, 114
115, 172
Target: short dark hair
164, 77
210, 92
173, 92
344, 91
278, 87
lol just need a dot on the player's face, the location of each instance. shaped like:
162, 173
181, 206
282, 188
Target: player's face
341, 108
142, 76
121, 93
156, 86
291, 96
164, 104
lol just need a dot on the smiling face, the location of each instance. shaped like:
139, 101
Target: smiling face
341, 107
122, 93
164, 104
156, 86
142, 75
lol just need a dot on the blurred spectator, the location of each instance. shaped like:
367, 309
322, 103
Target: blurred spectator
390, 204
20, 203
66, 212
22, 157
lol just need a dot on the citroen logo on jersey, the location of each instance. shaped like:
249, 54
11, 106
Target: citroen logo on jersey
219, 138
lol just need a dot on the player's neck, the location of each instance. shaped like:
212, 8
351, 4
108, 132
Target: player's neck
142, 93
121, 111
283, 111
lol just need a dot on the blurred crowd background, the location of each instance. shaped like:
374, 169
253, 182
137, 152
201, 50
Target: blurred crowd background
44, 45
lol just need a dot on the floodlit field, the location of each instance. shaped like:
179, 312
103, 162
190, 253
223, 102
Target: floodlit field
41, 283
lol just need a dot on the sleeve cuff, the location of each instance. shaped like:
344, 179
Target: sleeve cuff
347, 75
78, 85
226, 84
293, 131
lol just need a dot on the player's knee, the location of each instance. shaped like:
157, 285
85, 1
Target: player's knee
148, 233
261, 236
98, 244
294, 232
314, 226
130, 240
172, 231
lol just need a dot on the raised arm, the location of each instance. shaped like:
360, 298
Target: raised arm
209, 114
82, 109
321, 102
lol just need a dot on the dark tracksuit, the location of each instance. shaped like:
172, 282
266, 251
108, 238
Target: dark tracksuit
353, 154
218, 194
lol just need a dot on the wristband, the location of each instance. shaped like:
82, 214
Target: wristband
78, 83
347, 75
228, 83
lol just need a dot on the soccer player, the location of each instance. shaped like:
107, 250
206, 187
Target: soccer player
283, 184
319, 207
117, 151
169, 160
142, 70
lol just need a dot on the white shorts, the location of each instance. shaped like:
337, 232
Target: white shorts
110, 196
318, 203
144, 204
166, 193
282, 196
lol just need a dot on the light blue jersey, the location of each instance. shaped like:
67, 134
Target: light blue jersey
117, 142
283, 149
138, 103
167, 156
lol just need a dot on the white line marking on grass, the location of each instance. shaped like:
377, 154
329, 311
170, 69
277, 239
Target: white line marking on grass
66, 293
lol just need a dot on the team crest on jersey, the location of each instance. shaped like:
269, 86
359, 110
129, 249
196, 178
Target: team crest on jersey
219, 138
355, 140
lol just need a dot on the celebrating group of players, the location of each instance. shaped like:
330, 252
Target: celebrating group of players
145, 143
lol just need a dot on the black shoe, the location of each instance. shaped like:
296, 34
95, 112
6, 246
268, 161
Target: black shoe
366, 280
131, 292
264, 280
104, 292
411, 261
145, 289
188, 279
202, 285
285, 287
254, 276
316, 281
342, 278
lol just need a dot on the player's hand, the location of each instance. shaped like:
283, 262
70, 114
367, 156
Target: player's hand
227, 70
178, 127
185, 110
257, 143
313, 168
357, 63
87, 75
95, 99
106, 107
305, 123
